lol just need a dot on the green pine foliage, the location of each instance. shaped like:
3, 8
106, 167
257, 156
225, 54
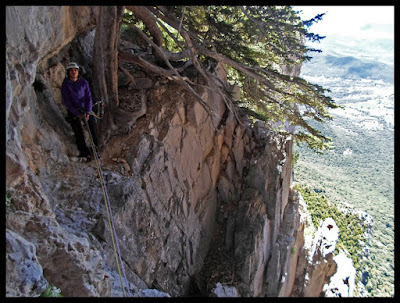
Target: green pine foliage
8, 198
258, 45
51, 292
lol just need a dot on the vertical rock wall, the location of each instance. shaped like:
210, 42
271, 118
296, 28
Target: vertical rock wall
184, 175
34, 33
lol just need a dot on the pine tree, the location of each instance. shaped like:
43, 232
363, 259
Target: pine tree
258, 45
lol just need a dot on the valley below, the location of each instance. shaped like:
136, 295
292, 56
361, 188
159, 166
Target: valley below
358, 172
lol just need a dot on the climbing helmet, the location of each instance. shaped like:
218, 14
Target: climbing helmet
72, 65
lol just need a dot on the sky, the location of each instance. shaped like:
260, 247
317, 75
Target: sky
365, 22
360, 31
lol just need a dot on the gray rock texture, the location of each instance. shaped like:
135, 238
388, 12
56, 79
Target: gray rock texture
186, 188
25, 273
221, 291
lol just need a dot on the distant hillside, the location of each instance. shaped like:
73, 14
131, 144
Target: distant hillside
359, 171
348, 67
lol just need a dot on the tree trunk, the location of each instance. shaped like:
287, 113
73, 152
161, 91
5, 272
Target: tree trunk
150, 21
105, 61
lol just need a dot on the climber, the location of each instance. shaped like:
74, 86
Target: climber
77, 98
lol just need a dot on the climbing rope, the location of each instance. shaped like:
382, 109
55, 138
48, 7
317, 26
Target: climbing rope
94, 115
101, 109
120, 265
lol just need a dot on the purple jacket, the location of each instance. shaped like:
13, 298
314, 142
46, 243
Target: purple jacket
76, 95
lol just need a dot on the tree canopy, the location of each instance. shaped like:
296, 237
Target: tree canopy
259, 46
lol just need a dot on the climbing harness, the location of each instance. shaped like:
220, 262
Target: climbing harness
114, 238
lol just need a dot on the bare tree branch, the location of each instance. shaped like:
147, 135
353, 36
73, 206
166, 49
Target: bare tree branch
250, 41
127, 73
194, 56
178, 77
150, 21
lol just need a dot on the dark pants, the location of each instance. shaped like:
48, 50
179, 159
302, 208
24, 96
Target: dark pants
76, 125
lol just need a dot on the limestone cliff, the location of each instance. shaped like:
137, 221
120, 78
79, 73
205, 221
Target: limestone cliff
197, 199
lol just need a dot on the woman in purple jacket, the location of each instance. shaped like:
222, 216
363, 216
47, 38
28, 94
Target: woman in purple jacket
77, 98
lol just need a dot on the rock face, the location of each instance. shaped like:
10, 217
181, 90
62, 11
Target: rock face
323, 273
224, 291
176, 177
342, 283
321, 265
24, 271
